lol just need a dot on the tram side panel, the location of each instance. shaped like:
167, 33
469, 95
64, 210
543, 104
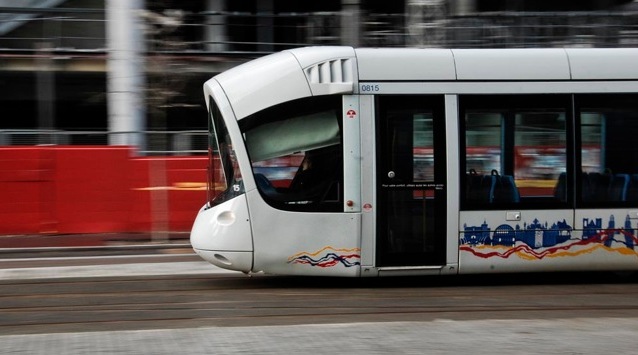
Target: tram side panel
531, 240
304, 243
527, 230
597, 240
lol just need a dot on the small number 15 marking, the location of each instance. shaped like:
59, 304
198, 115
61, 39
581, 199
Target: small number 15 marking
370, 88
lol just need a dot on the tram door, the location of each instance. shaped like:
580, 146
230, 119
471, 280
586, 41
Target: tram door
411, 188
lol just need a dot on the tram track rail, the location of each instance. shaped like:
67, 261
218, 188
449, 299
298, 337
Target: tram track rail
177, 301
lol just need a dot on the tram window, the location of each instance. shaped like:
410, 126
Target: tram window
423, 141
224, 176
515, 150
609, 160
296, 155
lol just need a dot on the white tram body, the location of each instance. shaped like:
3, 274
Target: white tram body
336, 161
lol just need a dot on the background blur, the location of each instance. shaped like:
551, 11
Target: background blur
103, 123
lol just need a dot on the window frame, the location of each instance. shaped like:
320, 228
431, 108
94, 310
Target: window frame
227, 159
307, 106
513, 104
588, 102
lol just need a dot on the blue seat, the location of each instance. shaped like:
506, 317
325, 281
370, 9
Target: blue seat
560, 190
493, 188
480, 188
596, 186
632, 189
618, 187
505, 190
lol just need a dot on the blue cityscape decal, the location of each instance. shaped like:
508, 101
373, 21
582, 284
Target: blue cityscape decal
539, 240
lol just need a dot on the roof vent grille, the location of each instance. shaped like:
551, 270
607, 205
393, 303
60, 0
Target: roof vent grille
331, 77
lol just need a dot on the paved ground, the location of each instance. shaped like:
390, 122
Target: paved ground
569, 336
112, 269
86, 255
523, 336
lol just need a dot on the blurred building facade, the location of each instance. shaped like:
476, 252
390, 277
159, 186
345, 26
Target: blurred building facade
130, 72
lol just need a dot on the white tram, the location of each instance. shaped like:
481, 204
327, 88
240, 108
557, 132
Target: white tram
338, 161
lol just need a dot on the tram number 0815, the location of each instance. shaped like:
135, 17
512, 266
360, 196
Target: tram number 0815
370, 88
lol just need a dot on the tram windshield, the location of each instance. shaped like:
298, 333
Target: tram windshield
296, 155
224, 177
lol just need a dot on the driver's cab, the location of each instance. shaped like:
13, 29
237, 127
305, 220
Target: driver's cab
295, 150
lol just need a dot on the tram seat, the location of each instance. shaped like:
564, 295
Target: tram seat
607, 187
560, 190
480, 188
632, 189
618, 187
505, 189
596, 186
493, 188
602, 187
264, 185
587, 188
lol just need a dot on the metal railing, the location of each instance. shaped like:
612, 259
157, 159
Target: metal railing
219, 32
209, 37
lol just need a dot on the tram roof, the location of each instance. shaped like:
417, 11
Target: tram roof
497, 64
309, 71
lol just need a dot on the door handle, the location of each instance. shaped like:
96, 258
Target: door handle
513, 216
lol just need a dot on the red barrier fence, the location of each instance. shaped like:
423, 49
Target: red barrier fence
88, 189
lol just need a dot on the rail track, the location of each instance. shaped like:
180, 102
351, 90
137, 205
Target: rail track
184, 301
